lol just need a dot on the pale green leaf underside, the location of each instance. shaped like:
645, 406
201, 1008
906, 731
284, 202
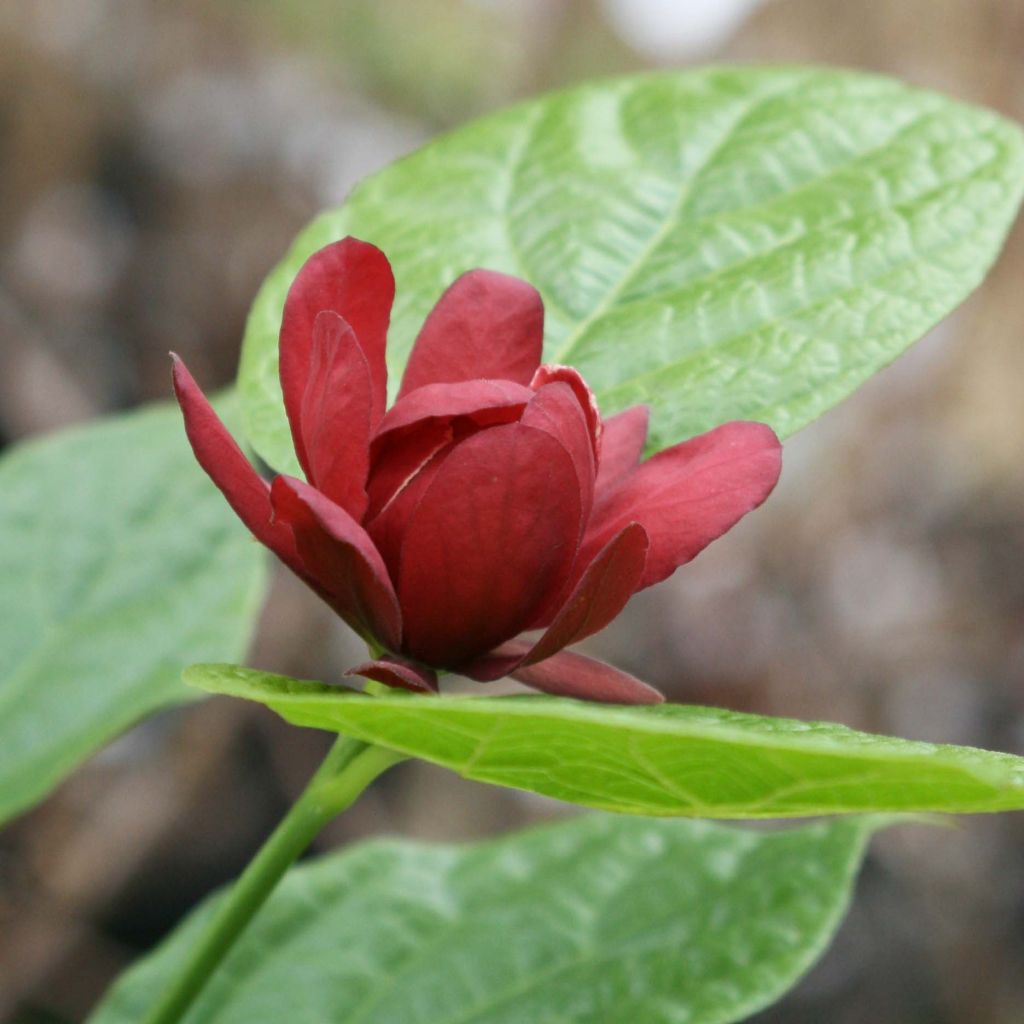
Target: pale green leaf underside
594, 919
119, 564
721, 243
667, 760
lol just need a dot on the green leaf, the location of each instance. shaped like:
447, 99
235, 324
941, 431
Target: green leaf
721, 243
119, 564
670, 759
594, 919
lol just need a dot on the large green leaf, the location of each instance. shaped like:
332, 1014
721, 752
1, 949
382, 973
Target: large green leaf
721, 243
119, 564
670, 759
595, 919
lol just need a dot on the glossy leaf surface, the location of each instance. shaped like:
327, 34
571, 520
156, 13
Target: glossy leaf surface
593, 919
119, 564
667, 759
723, 243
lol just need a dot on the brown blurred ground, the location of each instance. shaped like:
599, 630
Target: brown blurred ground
156, 159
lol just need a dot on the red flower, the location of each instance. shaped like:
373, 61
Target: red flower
489, 500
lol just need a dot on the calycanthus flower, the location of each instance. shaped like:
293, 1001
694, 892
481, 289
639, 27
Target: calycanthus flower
490, 500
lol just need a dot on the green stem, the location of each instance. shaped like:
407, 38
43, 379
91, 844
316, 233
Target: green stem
348, 769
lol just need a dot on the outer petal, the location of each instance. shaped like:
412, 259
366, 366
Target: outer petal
622, 445
494, 532
608, 583
485, 326
688, 495
354, 280
336, 414
340, 557
552, 372
574, 675
481, 402
215, 449
398, 672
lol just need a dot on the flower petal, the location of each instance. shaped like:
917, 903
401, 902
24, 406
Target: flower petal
216, 451
388, 527
557, 408
494, 532
569, 674
336, 414
399, 464
413, 439
622, 446
485, 326
607, 584
688, 495
482, 403
354, 280
340, 557
552, 372
398, 672
554, 409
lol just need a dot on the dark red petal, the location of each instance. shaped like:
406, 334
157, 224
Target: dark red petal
216, 451
388, 527
340, 557
399, 464
494, 532
398, 672
569, 674
336, 414
622, 446
354, 280
416, 430
607, 584
414, 436
483, 402
555, 410
485, 326
688, 495
550, 373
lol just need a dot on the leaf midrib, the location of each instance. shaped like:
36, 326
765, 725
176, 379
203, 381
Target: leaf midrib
910, 751
673, 215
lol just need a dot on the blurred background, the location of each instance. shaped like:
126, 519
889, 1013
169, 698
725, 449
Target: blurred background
155, 161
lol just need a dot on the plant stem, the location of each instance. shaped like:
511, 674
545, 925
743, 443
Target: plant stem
350, 766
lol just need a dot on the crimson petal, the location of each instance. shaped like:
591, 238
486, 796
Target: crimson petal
340, 557
495, 531
336, 414
398, 672
387, 528
688, 495
485, 326
622, 445
354, 280
484, 402
399, 465
416, 431
607, 584
552, 372
569, 674
555, 410
226, 465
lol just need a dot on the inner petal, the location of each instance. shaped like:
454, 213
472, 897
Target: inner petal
491, 536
